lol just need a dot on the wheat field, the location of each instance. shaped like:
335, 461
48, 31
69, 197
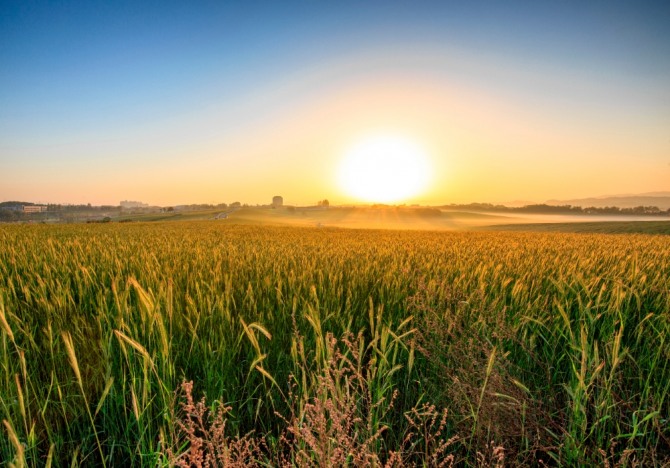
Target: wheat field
190, 343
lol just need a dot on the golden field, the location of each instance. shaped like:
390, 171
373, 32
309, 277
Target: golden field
331, 346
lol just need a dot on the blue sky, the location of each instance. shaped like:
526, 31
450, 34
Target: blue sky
103, 101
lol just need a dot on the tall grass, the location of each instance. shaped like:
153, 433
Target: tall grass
318, 346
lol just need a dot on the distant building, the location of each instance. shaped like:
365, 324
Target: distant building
132, 204
34, 208
277, 201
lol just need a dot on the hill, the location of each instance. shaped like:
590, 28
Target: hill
658, 199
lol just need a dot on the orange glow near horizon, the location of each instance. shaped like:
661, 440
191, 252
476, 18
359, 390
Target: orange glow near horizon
477, 146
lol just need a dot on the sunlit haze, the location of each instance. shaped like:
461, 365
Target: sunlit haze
178, 102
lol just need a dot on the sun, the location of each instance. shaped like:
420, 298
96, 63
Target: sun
384, 169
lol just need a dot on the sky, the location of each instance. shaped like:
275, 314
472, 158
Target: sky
206, 102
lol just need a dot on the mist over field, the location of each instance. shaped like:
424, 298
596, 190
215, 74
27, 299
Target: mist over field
418, 218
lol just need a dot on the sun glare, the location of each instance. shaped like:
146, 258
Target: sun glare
383, 169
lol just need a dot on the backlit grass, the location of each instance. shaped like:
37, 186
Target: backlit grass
322, 345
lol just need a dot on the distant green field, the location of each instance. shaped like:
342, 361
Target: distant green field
169, 216
605, 227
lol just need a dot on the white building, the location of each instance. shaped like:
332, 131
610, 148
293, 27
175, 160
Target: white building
34, 208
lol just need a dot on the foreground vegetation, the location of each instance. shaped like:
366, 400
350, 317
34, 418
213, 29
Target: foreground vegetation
321, 347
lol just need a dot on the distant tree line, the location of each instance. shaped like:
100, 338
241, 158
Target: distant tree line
18, 206
82, 207
561, 209
13, 211
10, 215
